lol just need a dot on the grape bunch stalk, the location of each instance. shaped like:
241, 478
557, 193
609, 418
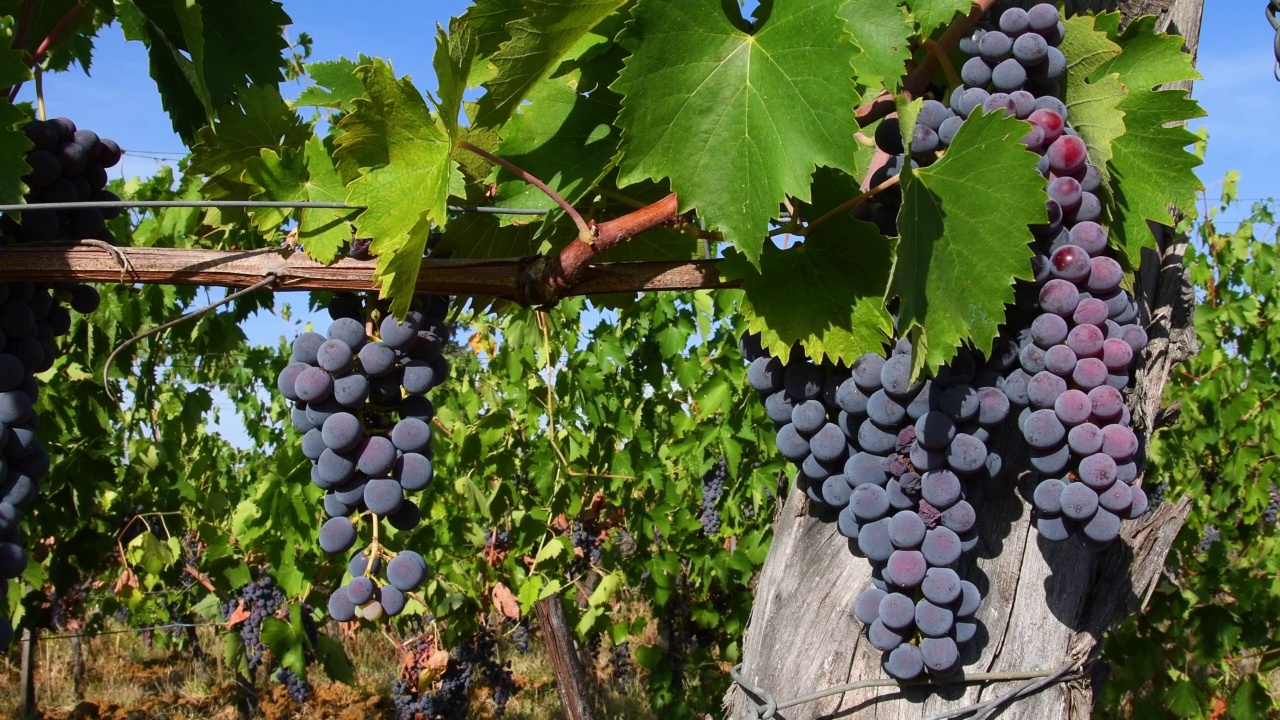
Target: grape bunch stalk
359, 394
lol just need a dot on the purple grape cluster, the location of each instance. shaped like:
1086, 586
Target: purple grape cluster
67, 165
469, 664
360, 399
371, 593
262, 599
620, 663
299, 689
712, 487
1272, 513
31, 316
894, 459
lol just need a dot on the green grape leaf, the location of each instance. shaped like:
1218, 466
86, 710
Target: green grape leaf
13, 152
882, 32
336, 85
826, 292
408, 175
737, 121
488, 20
452, 61
278, 178
1093, 98
932, 14
564, 137
207, 52
537, 45
960, 250
1151, 166
333, 658
323, 232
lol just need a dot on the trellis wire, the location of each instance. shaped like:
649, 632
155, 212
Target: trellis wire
153, 628
249, 204
767, 707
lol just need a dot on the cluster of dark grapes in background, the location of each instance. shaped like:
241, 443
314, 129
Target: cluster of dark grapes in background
299, 689
449, 696
894, 461
1272, 513
588, 548
67, 165
620, 663
360, 399
712, 487
261, 599
522, 636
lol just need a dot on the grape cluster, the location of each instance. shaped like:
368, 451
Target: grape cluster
299, 689
712, 487
261, 599
1075, 354
360, 399
449, 697
1272, 513
893, 458
67, 165
521, 637
31, 316
620, 663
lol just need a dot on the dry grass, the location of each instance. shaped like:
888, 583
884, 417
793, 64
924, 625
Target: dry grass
126, 680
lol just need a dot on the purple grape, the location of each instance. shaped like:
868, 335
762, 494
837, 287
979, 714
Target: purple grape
287, 381
905, 569
1136, 337
1116, 355
334, 357
376, 457
883, 409
1079, 502
376, 359
1059, 297
341, 608
1105, 275
1103, 527
904, 662
1066, 192
895, 377
935, 430
934, 620
941, 488
993, 406
869, 502
802, 380
941, 547
765, 374
874, 542
1042, 18
995, 47
779, 408
337, 535
1085, 439
1071, 263
1048, 330
313, 385
1089, 236
1032, 358
966, 454
1056, 529
829, 445
897, 611
411, 435
1098, 471
1014, 386
866, 373
1009, 76
867, 607
1068, 154
874, 440
940, 655
1073, 407
863, 468
882, 638
342, 432
1139, 503
1043, 430
383, 496
1118, 498
960, 518
1090, 311
1126, 472
1059, 359
1108, 404
1089, 373
941, 586
1048, 496
906, 530
836, 491
960, 402
1090, 209
1119, 443
1044, 388
1030, 49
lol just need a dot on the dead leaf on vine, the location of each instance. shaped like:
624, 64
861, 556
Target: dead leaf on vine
506, 601
128, 580
560, 523
239, 615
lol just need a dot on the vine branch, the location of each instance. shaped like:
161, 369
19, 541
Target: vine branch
60, 29
584, 230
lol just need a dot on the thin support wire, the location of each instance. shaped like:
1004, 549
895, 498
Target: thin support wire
250, 204
766, 707
153, 628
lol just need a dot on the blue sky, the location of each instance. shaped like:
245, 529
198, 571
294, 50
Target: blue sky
118, 100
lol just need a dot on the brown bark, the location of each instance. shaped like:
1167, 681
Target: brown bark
571, 679
512, 279
1044, 603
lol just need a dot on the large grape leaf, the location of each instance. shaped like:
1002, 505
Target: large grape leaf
932, 14
302, 175
452, 61
737, 121
882, 32
826, 292
205, 53
404, 153
538, 43
564, 136
13, 143
488, 20
964, 237
1093, 98
336, 85
1151, 167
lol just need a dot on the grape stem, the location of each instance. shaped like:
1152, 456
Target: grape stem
60, 29
849, 205
585, 232
948, 68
